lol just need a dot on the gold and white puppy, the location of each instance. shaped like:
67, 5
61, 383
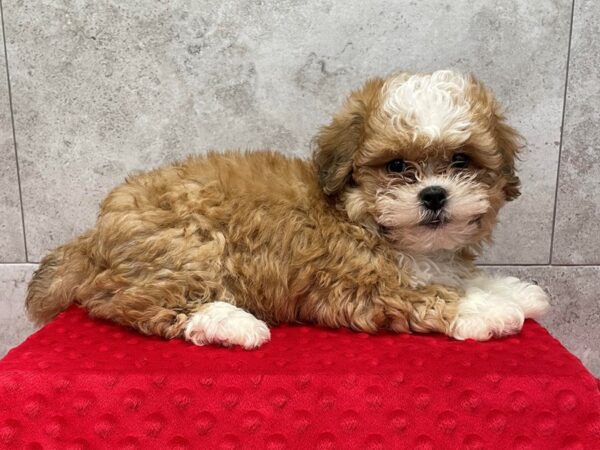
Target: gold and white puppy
378, 230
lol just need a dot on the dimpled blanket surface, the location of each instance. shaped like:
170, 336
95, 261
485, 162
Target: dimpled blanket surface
87, 384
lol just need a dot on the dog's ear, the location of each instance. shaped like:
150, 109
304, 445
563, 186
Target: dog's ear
336, 143
509, 143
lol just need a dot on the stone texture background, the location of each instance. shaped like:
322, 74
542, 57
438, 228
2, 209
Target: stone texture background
92, 90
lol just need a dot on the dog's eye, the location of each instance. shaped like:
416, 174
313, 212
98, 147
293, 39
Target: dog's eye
396, 166
460, 161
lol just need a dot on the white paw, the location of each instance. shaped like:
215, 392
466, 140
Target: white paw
225, 324
482, 316
533, 300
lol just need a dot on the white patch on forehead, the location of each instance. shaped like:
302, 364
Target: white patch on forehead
431, 106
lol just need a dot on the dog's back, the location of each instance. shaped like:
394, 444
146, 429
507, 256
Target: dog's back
157, 232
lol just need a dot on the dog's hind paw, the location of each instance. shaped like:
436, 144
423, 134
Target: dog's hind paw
225, 324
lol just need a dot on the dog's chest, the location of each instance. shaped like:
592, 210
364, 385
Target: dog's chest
437, 268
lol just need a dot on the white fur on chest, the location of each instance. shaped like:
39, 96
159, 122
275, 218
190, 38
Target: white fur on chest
436, 268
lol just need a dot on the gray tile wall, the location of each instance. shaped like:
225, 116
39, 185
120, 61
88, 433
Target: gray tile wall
101, 88
576, 239
12, 244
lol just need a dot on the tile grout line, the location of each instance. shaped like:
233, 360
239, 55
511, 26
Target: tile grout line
12, 120
562, 133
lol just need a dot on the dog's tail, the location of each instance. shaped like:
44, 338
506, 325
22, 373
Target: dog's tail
53, 286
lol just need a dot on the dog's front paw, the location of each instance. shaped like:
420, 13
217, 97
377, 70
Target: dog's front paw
533, 300
482, 316
225, 324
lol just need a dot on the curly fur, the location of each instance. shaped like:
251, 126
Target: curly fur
335, 240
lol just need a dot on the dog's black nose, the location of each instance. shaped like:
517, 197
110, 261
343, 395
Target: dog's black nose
433, 197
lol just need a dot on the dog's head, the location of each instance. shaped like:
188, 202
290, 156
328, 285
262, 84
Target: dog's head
428, 158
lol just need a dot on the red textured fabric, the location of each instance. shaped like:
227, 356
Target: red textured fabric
85, 384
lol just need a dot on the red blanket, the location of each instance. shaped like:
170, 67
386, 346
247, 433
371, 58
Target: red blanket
85, 384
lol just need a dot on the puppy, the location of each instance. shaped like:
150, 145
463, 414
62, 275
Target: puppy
378, 231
